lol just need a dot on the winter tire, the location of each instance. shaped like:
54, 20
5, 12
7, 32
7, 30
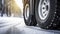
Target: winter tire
28, 14
47, 13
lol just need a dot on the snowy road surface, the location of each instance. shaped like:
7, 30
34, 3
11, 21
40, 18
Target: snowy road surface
9, 22
13, 25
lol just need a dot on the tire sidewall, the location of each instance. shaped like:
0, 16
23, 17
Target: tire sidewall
50, 17
29, 18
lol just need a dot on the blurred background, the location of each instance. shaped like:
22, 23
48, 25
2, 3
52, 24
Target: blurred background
11, 13
12, 22
11, 8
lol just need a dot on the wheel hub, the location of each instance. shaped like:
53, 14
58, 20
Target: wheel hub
27, 12
43, 9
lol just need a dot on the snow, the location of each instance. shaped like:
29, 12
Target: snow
14, 25
8, 22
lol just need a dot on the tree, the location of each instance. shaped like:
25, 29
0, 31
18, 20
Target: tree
11, 7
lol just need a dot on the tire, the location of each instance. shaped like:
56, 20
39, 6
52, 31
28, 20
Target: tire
30, 21
49, 20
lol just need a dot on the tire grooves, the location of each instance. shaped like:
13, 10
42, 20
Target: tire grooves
56, 20
55, 24
58, 14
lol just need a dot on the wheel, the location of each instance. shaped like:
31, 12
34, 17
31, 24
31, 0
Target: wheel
47, 13
29, 18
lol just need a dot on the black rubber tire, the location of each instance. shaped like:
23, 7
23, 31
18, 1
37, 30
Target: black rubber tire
52, 21
31, 19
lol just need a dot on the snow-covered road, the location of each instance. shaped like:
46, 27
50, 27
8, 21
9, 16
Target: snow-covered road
8, 22
13, 25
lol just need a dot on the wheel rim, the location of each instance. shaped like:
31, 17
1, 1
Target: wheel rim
43, 9
26, 11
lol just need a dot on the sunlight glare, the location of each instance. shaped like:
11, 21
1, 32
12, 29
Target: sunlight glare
20, 4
